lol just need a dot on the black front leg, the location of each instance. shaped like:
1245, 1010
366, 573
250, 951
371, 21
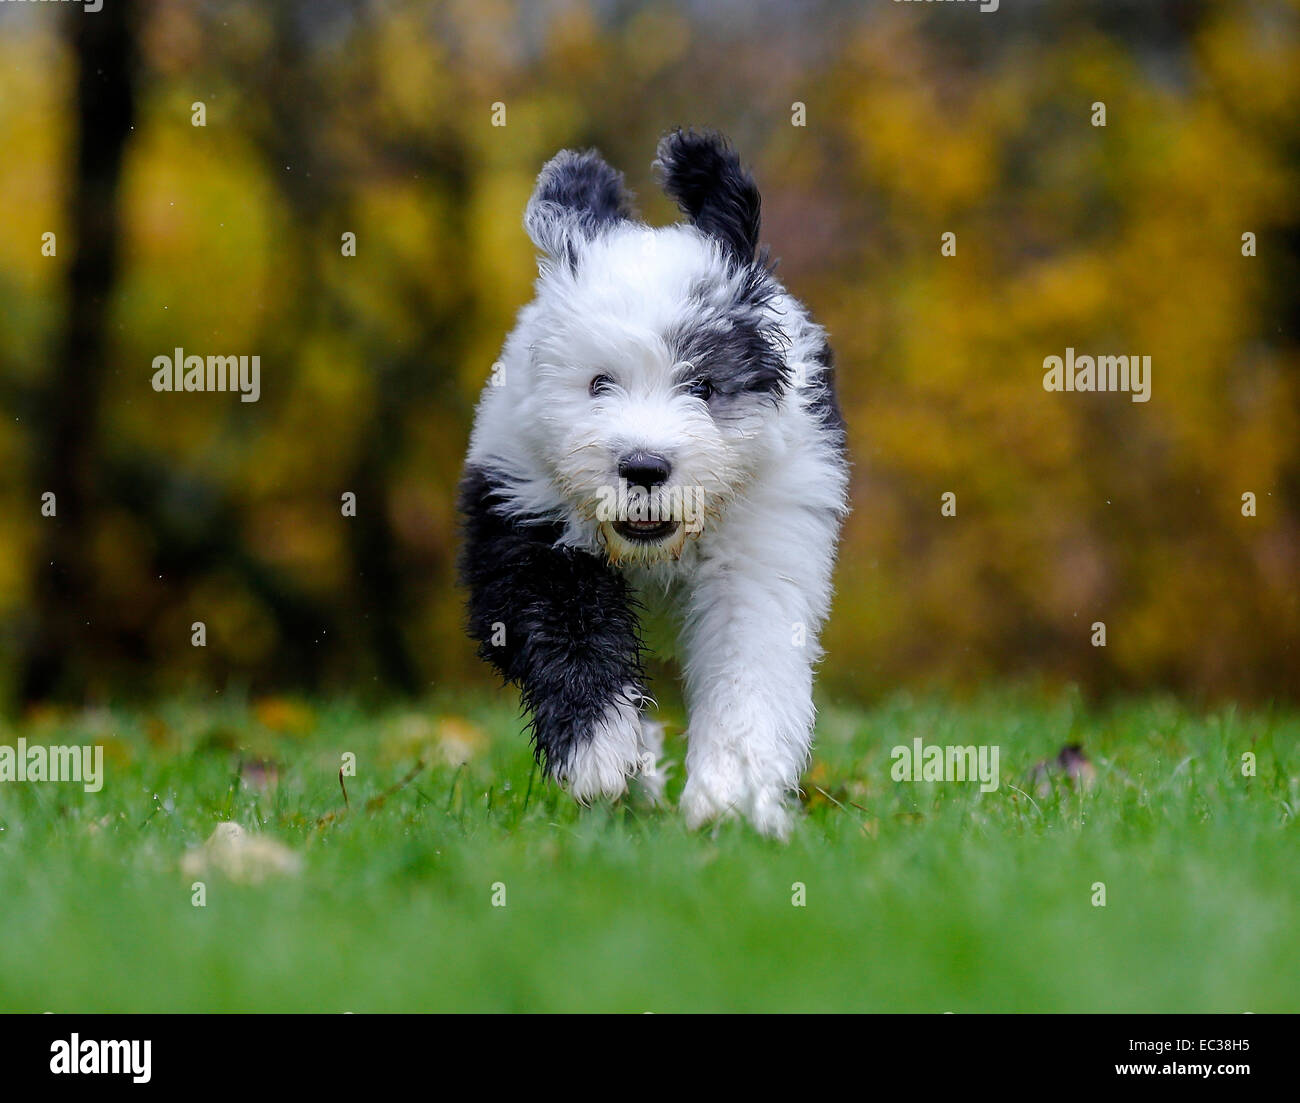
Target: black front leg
557, 622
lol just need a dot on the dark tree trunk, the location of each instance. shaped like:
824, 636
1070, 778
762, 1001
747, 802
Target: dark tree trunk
67, 434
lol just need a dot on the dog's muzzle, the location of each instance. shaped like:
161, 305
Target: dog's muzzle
645, 532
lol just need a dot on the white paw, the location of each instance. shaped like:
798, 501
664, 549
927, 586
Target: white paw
728, 780
602, 762
712, 792
770, 814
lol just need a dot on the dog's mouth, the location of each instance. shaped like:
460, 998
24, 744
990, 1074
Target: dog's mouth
645, 532
630, 542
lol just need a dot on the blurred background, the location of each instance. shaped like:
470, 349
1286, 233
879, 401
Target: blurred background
375, 118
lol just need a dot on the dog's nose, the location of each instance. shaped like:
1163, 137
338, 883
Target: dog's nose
647, 469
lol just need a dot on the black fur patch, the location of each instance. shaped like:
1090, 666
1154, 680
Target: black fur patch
577, 194
738, 349
572, 636
826, 403
703, 174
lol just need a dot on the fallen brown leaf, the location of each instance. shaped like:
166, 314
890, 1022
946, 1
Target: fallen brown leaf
232, 851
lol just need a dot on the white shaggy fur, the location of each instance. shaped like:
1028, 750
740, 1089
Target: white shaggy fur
600, 766
750, 591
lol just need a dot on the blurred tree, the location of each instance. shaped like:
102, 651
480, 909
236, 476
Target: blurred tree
66, 629
376, 118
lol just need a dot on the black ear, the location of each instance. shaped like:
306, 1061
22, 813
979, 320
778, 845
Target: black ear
703, 174
577, 197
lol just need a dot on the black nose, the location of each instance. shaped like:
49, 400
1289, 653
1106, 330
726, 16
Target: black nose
647, 469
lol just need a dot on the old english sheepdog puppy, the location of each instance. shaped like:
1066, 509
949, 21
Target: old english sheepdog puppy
661, 436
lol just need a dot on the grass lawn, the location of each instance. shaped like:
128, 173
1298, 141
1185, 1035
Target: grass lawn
919, 896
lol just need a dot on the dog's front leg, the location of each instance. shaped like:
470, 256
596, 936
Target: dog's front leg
560, 624
750, 639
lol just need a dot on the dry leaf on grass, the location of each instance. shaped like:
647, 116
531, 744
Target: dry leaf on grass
285, 715
453, 739
240, 856
459, 740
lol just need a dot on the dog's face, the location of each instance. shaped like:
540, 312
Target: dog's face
656, 362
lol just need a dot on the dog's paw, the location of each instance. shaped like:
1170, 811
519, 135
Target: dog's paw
601, 763
722, 785
711, 793
770, 814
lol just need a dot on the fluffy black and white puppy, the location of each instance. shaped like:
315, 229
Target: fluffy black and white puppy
660, 432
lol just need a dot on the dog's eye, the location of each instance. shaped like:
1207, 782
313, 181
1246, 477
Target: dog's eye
600, 385
701, 389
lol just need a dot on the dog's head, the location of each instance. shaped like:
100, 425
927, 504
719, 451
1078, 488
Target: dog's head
656, 359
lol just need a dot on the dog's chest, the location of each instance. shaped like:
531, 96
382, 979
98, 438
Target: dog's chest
658, 601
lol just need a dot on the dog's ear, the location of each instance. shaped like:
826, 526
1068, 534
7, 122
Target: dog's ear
577, 197
703, 174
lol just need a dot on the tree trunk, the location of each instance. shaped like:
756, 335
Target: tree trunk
66, 463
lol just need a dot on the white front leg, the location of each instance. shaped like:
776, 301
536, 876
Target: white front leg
750, 643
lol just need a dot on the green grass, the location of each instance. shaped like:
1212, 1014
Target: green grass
920, 897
